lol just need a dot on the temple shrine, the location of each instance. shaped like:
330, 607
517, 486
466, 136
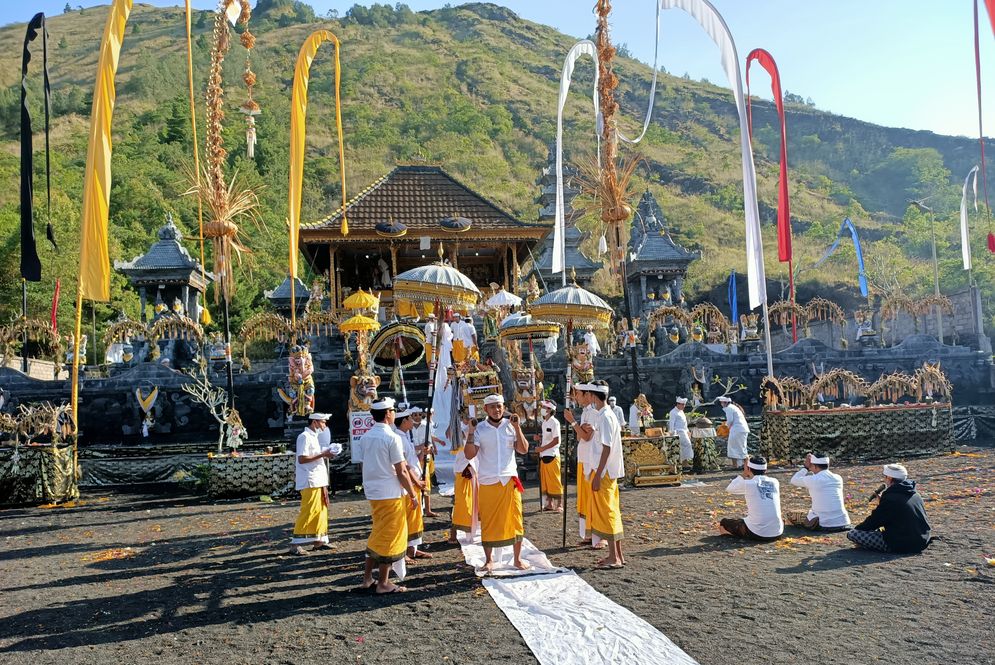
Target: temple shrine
398, 222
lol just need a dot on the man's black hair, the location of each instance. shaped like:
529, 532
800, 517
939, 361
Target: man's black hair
758, 459
379, 415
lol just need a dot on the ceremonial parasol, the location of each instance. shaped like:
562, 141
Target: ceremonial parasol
442, 285
523, 326
359, 323
504, 299
398, 343
571, 305
361, 300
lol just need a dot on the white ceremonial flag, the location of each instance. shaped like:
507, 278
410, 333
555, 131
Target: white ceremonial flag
710, 20
965, 236
583, 47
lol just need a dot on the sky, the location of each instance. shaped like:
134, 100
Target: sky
890, 62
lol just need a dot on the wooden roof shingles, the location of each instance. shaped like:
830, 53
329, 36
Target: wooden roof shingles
419, 197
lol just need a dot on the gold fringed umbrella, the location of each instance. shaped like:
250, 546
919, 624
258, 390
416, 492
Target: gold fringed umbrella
400, 344
361, 300
516, 328
359, 323
573, 305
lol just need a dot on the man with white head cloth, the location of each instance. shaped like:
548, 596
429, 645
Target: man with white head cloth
677, 423
617, 410
739, 431
898, 523
493, 443
828, 511
763, 504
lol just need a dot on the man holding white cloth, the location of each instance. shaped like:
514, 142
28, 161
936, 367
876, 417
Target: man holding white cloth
828, 512
739, 431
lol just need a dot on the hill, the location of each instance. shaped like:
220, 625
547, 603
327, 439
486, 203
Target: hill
472, 88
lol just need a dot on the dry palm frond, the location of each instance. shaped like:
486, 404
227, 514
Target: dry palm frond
605, 192
226, 206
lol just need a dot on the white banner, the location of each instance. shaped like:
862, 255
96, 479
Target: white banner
965, 236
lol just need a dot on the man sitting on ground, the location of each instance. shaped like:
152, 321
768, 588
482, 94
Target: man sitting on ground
826, 489
898, 524
763, 504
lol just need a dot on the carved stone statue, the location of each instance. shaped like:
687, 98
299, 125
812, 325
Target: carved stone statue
581, 365
300, 390
363, 391
528, 390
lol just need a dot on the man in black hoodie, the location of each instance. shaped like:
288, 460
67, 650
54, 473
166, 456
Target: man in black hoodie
898, 524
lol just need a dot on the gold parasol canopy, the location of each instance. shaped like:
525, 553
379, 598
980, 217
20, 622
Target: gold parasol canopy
361, 300
572, 304
398, 343
518, 327
359, 323
436, 282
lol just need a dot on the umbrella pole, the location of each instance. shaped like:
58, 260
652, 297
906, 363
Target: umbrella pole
532, 364
567, 403
431, 385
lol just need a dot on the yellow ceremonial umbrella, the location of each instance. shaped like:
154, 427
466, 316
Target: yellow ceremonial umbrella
359, 323
361, 300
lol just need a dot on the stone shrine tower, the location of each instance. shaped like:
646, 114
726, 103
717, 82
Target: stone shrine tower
657, 265
166, 276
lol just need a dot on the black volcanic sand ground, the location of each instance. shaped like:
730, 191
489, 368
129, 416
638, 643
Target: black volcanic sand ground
210, 582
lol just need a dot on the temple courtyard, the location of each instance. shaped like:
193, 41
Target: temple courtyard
171, 578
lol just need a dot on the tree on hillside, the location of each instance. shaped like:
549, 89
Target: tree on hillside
68, 8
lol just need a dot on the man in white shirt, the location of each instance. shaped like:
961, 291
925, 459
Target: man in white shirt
412, 460
763, 504
828, 511
418, 436
548, 451
617, 410
464, 340
677, 423
388, 489
606, 458
584, 431
739, 431
592, 342
493, 443
311, 479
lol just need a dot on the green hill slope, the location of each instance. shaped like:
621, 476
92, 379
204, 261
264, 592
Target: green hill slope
473, 89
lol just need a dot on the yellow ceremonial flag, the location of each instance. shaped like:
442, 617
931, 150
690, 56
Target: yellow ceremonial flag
298, 120
94, 257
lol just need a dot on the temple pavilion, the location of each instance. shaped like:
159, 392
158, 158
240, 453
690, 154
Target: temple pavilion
398, 222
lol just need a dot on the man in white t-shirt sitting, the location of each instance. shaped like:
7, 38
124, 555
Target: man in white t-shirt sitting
763, 504
828, 512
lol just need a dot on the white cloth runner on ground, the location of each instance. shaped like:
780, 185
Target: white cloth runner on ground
564, 621
503, 557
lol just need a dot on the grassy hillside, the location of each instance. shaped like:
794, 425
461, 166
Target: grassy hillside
472, 88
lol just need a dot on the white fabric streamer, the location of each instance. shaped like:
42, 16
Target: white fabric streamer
713, 24
656, 70
965, 236
583, 47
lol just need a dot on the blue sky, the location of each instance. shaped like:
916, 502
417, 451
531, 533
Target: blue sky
890, 62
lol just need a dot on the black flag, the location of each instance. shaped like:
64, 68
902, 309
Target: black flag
30, 264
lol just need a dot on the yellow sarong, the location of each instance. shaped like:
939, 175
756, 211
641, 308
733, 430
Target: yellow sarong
416, 525
312, 520
583, 492
463, 504
501, 521
388, 540
460, 351
429, 470
606, 511
549, 477
428, 354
